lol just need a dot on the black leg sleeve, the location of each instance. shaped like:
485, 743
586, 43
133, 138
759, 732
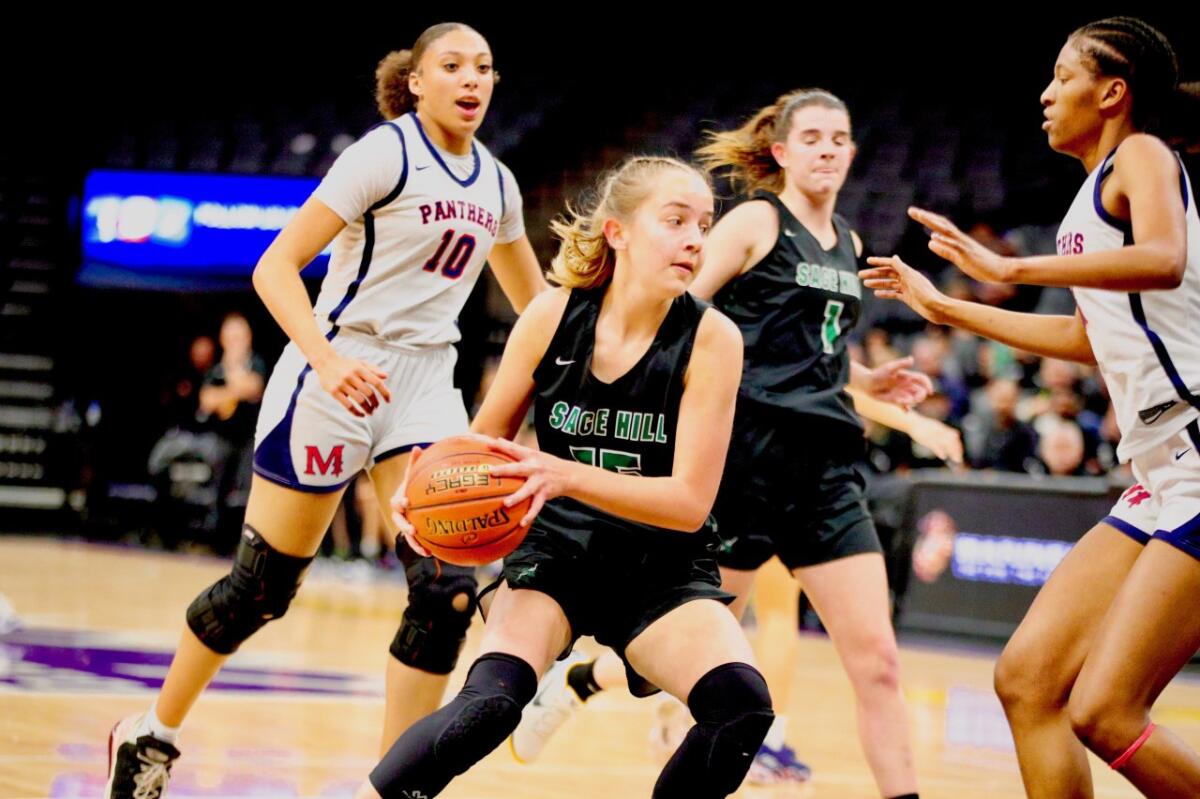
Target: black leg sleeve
732, 709
449, 741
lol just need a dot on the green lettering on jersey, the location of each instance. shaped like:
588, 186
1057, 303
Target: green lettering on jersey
585, 455
828, 278
623, 424
661, 435
572, 423
611, 460
620, 462
587, 423
557, 413
647, 427
831, 327
850, 284
602, 422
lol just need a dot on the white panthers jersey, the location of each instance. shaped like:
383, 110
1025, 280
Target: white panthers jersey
420, 223
1147, 343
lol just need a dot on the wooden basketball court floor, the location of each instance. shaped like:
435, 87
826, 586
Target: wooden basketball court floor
298, 710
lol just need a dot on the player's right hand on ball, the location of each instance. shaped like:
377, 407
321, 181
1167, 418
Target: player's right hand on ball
356, 384
545, 476
399, 505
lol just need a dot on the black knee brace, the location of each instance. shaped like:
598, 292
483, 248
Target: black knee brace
433, 629
732, 708
449, 741
259, 588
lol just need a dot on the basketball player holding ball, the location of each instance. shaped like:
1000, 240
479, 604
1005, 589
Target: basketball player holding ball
633, 383
456, 504
782, 266
413, 210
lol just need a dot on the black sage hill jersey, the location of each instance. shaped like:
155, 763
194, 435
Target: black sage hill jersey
794, 308
626, 426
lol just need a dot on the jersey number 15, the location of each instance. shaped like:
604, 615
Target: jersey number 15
611, 460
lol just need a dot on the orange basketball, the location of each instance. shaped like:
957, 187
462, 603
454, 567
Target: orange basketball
457, 507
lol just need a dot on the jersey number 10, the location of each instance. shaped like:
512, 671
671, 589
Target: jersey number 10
455, 263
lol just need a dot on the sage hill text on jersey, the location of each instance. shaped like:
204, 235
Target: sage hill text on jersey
828, 278
573, 420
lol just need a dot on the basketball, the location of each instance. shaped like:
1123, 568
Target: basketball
457, 506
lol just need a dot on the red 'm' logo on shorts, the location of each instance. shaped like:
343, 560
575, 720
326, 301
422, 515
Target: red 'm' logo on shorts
335, 460
1135, 496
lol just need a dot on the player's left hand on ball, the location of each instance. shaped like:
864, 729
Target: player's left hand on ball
545, 476
399, 506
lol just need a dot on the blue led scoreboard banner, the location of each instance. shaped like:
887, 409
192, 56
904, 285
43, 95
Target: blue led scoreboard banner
178, 230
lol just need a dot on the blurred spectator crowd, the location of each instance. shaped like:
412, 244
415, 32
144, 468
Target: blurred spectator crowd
1017, 412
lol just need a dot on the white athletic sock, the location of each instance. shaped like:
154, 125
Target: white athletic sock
151, 724
778, 732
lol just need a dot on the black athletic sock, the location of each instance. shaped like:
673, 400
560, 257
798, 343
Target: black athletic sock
449, 741
582, 679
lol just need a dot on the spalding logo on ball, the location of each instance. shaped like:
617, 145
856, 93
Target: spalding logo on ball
457, 505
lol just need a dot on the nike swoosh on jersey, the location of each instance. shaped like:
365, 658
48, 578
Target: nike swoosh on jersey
1179, 455
561, 362
425, 166
789, 233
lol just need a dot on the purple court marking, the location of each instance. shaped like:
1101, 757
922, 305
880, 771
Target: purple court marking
975, 718
80, 784
246, 774
261, 755
84, 660
84, 753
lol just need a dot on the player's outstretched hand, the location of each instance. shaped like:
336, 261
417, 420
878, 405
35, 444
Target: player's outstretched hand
894, 382
947, 241
892, 279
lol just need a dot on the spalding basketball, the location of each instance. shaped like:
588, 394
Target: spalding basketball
457, 505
